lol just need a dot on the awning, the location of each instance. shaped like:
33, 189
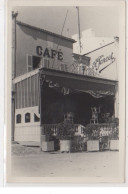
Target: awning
97, 87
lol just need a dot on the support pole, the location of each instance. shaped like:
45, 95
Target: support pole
41, 81
116, 102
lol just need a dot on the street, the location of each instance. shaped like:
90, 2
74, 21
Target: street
56, 164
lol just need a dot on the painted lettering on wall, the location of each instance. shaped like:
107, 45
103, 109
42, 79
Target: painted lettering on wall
49, 53
100, 63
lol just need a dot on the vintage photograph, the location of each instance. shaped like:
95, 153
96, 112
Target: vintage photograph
66, 91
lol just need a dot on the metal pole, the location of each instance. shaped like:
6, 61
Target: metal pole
79, 28
60, 37
41, 81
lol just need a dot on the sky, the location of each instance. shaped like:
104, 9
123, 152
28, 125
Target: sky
103, 20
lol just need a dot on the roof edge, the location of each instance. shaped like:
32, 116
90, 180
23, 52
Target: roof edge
45, 31
43, 70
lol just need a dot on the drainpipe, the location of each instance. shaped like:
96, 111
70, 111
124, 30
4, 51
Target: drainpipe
14, 15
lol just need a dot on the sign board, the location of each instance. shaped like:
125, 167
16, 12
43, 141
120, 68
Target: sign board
50, 53
104, 61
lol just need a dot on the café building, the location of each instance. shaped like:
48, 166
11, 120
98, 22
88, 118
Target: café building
50, 80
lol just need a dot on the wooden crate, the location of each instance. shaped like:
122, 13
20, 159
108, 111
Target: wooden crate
92, 145
47, 146
114, 144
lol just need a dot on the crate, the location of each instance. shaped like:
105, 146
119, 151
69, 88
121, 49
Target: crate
114, 144
92, 145
47, 146
65, 145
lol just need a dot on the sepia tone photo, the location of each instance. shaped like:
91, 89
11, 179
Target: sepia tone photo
66, 107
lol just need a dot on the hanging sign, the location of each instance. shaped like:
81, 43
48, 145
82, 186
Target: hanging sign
102, 62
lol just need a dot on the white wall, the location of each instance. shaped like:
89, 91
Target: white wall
27, 131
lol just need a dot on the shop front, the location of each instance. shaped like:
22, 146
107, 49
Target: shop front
91, 101
44, 97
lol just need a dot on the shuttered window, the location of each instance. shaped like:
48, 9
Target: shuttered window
29, 63
33, 62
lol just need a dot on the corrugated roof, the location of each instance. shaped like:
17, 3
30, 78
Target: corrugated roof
45, 31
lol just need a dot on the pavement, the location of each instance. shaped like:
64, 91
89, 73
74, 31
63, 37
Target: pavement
34, 163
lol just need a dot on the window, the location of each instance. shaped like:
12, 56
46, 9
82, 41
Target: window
27, 117
33, 62
18, 118
36, 118
36, 62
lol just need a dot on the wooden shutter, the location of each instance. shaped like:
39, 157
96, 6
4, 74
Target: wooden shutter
29, 63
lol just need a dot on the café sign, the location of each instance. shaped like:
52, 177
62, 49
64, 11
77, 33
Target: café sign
50, 53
